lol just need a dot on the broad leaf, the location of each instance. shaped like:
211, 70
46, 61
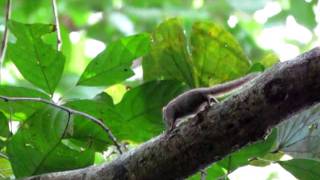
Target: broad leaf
5, 168
300, 135
85, 130
36, 140
169, 57
20, 110
64, 157
38, 62
114, 64
243, 156
303, 169
216, 54
141, 109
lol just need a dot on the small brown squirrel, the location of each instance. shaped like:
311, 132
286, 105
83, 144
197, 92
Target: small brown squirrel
193, 101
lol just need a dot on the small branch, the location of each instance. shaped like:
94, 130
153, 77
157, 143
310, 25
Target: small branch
71, 111
56, 19
5, 35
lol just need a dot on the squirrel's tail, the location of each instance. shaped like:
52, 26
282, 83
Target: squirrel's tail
228, 86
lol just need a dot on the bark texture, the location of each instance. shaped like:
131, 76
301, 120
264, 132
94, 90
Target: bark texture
218, 131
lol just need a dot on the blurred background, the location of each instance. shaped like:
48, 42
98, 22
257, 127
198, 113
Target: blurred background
284, 28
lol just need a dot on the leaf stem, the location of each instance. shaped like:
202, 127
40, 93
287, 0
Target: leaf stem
5, 35
71, 111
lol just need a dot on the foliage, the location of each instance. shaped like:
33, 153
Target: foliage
197, 48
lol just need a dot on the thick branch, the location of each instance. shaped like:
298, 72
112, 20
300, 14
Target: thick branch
214, 133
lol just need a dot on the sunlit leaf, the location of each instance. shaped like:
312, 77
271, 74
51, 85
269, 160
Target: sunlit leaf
114, 64
116, 91
5, 168
169, 57
38, 62
216, 54
299, 136
303, 169
269, 60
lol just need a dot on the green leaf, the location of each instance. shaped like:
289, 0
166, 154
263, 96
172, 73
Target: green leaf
303, 12
64, 158
267, 159
116, 92
269, 60
36, 140
212, 172
243, 156
141, 109
299, 136
86, 131
3, 143
114, 64
217, 56
5, 168
257, 67
169, 57
4, 126
303, 169
20, 110
38, 62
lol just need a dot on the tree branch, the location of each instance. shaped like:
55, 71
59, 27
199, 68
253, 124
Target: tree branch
70, 111
5, 35
218, 131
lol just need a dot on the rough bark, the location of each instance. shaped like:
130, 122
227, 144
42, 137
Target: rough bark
218, 131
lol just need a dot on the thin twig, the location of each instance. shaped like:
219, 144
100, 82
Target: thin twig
56, 20
5, 35
71, 111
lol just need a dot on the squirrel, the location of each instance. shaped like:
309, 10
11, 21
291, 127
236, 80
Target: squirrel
193, 101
